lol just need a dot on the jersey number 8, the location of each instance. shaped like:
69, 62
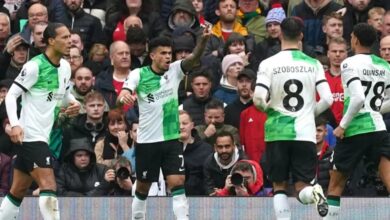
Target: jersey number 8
293, 94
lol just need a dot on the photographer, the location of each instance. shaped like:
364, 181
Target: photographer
246, 179
119, 177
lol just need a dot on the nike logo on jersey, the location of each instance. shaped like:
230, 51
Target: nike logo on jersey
181, 169
35, 165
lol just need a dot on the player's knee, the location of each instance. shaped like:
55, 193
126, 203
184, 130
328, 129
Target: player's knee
176, 180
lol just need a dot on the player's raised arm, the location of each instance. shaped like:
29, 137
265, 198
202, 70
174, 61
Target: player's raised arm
322, 87
194, 58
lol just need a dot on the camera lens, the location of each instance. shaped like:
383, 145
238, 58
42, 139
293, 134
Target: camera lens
123, 173
237, 179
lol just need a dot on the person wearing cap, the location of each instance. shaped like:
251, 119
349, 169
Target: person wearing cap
312, 12
250, 15
182, 48
232, 64
274, 17
246, 80
18, 59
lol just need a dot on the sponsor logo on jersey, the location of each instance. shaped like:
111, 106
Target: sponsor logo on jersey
150, 98
338, 97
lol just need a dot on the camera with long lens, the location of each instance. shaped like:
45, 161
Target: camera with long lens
237, 179
122, 173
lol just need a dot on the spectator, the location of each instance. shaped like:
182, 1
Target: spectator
80, 175
232, 65
122, 183
245, 179
183, 14
195, 104
118, 10
116, 141
5, 30
55, 9
83, 84
252, 133
182, 48
227, 24
272, 22
98, 60
88, 26
37, 12
76, 40
75, 59
385, 48
5, 174
246, 81
199, 9
195, 153
312, 13
357, 12
130, 154
332, 26
96, 8
337, 53
375, 18
386, 24
250, 15
219, 164
4, 86
214, 117
90, 125
38, 46
18, 59
324, 153
137, 41
110, 82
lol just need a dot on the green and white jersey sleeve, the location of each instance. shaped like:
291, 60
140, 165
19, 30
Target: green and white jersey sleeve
157, 97
44, 87
291, 78
374, 74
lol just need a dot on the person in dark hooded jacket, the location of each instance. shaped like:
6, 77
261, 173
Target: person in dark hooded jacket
80, 175
183, 14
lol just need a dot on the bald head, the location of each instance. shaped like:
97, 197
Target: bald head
385, 48
37, 13
120, 55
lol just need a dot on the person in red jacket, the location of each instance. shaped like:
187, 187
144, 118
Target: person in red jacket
252, 132
337, 52
249, 184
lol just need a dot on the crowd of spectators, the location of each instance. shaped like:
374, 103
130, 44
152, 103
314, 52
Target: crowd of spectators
221, 130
